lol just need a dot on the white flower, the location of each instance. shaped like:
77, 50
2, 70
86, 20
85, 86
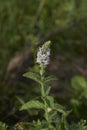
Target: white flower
49, 109
43, 58
43, 55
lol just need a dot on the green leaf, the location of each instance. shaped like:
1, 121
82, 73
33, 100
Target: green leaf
48, 90
33, 75
75, 102
32, 104
20, 100
59, 108
50, 78
50, 101
82, 125
3, 126
78, 83
53, 116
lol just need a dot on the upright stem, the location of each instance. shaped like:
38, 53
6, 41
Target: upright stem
42, 79
43, 92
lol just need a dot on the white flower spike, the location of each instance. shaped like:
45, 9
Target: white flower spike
43, 55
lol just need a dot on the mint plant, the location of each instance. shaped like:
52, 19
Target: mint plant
53, 114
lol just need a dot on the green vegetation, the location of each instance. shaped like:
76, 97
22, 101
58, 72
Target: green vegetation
25, 25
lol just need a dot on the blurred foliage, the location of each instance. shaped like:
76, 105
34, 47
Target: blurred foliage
3, 126
78, 101
24, 24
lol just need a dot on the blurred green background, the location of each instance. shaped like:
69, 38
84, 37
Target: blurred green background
24, 25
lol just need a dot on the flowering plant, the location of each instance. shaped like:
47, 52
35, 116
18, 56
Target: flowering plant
53, 114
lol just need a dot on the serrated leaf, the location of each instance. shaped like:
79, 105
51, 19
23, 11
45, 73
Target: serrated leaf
50, 78
33, 75
32, 104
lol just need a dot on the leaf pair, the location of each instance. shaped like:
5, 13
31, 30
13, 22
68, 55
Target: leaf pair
36, 77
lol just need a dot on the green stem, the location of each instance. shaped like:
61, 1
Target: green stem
43, 93
42, 80
42, 90
46, 112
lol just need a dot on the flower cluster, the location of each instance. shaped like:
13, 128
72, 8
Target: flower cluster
43, 55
